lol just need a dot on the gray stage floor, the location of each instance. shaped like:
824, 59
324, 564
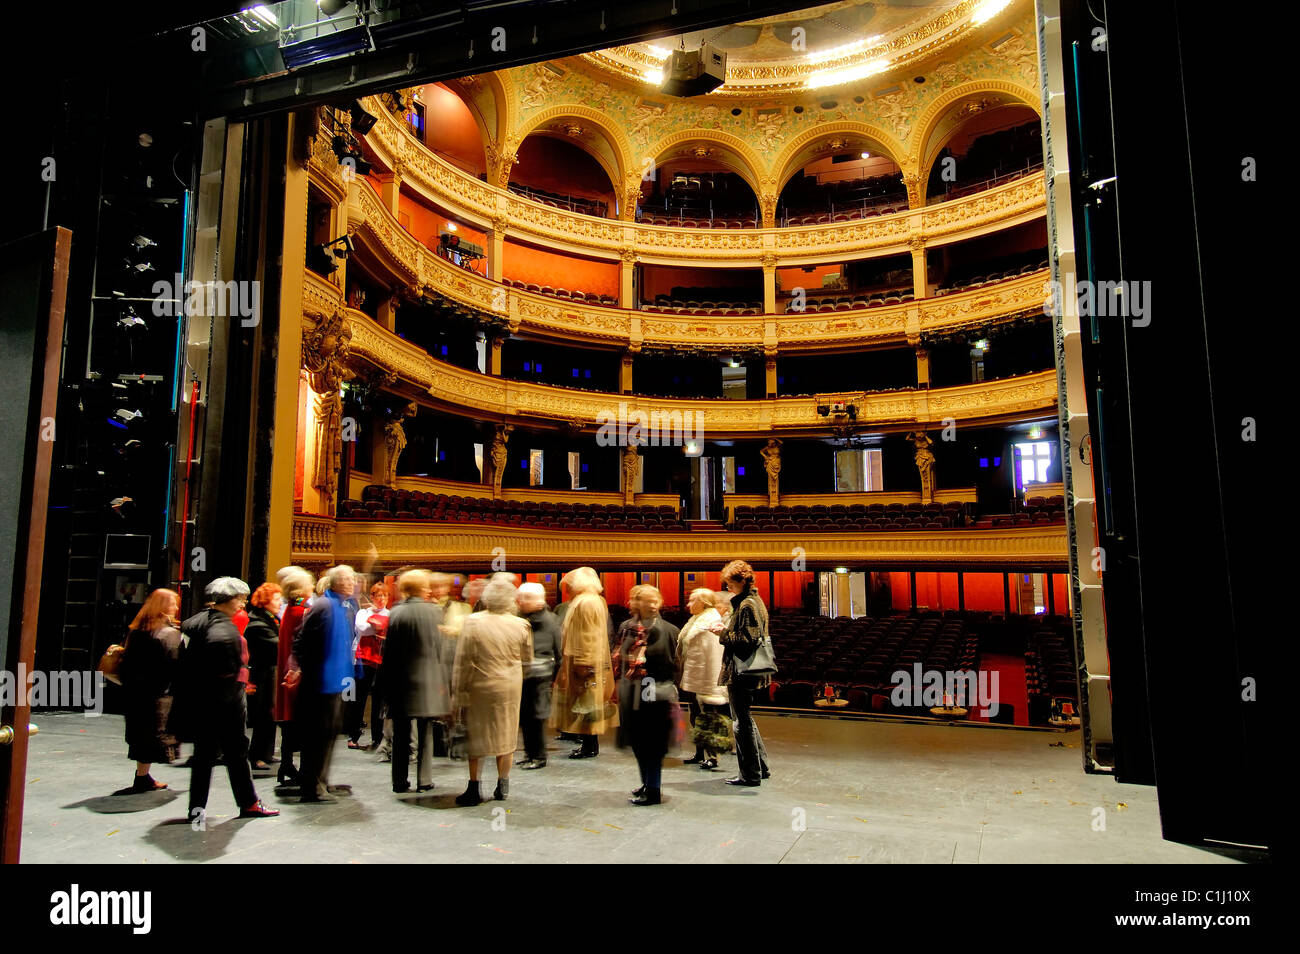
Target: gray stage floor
842, 791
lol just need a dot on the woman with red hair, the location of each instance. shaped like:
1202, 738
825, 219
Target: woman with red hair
297, 585
263, 637
147, 668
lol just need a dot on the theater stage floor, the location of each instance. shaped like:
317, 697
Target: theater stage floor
841, 791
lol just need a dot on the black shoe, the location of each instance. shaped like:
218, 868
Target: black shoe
693, 761
470, 796
738, 780
581, 753
424, 788
637, 792
401, 789
535, 764
766, 774
258, 810
502, 791
648, 797
524, 761
709, 764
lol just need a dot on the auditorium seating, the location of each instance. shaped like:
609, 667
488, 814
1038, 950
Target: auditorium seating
993, 270
686, 221
384, 503
586, 298
1049, 667
858, 657
851, 517
567, 202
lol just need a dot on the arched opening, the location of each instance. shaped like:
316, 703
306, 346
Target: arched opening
979, 143
842, 178
700, 184
451, 128
561, 168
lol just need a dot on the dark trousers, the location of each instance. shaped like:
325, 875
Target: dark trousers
750, 751
650, 761
320, 716
288, 748
536, 698
368, 686
222, 732
402, 745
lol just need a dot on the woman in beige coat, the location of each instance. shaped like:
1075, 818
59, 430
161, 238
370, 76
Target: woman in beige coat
487, 683
585, 701
699, 655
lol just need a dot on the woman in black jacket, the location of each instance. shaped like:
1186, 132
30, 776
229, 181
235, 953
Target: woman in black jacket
647, 693
746, 630
148, 665
263, 637
210, 706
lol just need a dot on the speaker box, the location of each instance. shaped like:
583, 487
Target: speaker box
695, 72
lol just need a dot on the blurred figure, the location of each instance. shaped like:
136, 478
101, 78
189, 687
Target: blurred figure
147, 669
297, 585
699, 655
647, 695
493, 648
453, 618
214, 670
746, 629
414, 677
633, 618
324, 651
535, 706
263, 637
584, 702
473, 594
372, 628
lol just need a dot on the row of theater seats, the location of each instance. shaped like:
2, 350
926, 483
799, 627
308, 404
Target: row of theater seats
989, 279
854, 302
852, 517
567, 202
675, 306
858, 657
698, 221
848, 215
384, 503
587, 298
1039, 510
1049, 666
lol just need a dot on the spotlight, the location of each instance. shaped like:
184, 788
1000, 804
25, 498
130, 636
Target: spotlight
126, 415
130, 320
362, 121
331, 7
141, 242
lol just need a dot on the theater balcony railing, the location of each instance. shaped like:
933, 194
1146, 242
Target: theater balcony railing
489, 207
423, 272
371, 348
313, 540
391, 542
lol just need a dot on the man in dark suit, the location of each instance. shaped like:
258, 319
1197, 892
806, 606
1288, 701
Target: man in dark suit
323, 648
414, 677
535, 704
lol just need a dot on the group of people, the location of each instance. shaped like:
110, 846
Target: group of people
462, 675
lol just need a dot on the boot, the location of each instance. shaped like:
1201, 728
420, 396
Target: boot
470, 796
502, 790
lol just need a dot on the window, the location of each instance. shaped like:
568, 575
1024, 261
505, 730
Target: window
1032, 462
858, 470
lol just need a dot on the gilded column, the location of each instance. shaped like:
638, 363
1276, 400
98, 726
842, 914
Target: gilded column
626, 284
769, 283
496, 250
919, 277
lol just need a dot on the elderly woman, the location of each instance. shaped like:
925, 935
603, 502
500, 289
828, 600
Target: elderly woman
414, 676
633, 617
487, 683
297, 586
263, 637
699, 655
746, 630
647, 697
324, 651
152, 648
214, 669
584, 702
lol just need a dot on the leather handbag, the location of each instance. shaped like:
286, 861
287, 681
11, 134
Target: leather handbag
761, 662
110, 664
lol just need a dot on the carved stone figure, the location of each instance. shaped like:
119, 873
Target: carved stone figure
499, 456
395, 442
631, 468
924, 463
772, 464
329, 447
324, 352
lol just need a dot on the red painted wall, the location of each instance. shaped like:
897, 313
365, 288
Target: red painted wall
900, 591
1061, 593
660, 280
450, 129
524, 263
562, 168
983, 591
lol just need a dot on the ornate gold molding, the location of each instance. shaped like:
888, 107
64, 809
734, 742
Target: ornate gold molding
479, 203
471, 545
500, 399
414, 266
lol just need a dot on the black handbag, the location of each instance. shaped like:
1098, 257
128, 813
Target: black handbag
761, 662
